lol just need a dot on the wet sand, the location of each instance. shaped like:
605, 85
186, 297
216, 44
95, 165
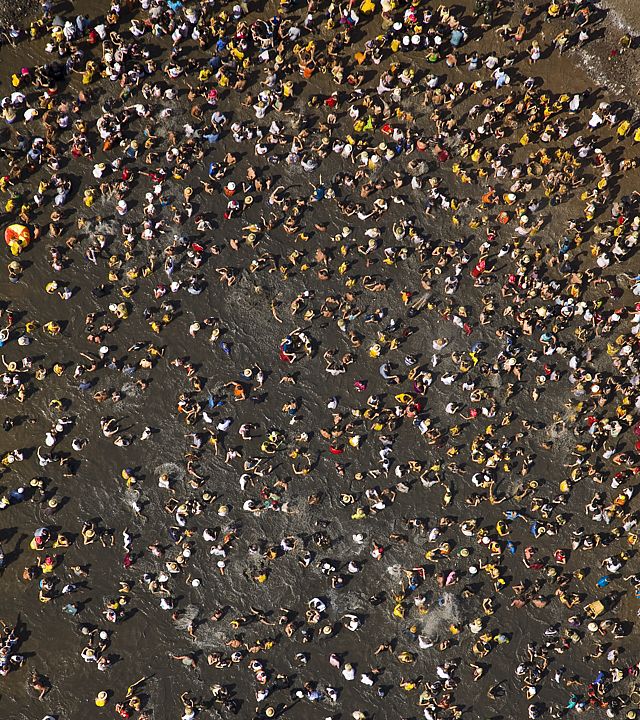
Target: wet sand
141, 644
627, 9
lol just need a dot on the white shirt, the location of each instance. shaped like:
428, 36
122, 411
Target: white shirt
349, 673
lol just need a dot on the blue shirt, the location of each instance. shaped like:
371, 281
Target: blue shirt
457, 36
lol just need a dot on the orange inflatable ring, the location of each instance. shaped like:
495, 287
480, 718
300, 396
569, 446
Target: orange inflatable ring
17, 238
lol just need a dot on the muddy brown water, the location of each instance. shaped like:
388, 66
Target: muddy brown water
141, 645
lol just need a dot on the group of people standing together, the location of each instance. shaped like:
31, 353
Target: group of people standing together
319, 339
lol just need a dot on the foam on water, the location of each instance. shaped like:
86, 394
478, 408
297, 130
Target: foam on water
173, 470
441, 615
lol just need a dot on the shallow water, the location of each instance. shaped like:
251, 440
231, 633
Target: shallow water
141, 645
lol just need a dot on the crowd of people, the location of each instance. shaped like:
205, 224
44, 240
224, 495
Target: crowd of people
318, 330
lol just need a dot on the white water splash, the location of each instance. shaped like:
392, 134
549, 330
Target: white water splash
173, 470
441, 616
